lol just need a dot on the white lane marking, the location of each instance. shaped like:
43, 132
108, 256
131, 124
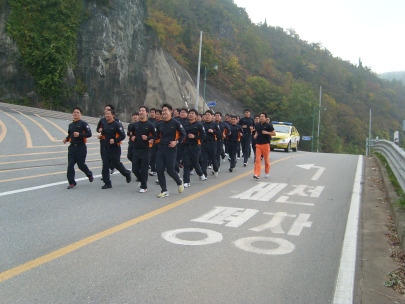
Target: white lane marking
45, 186
283, 248
317, 174
212, 236
345, 280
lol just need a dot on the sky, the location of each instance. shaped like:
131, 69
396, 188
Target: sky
350, 29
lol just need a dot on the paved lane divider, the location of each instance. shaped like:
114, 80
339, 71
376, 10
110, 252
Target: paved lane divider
72, 247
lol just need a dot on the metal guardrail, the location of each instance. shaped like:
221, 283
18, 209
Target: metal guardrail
395, 157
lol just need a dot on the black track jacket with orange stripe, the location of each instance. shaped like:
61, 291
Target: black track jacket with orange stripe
197, 130
171, 130
78, 126
140, 128
113, 130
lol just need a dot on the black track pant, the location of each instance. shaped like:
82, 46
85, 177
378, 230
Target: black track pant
102, 147
233, 148
77, 155
140, 165
209, 153
254, 145
112, 155
153, 152
220, 151
180, 151
191, 156
166, 158
130, 150
246, 141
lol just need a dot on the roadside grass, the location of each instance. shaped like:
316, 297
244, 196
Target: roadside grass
393, 179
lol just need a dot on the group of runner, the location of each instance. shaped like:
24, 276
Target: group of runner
167, 140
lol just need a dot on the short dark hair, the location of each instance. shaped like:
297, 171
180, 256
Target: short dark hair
158, 111
264, 113
184, 109
246, 110
220, 114
257, 116
226, 114
112, 111
194, 110
209, 111
233, 116
77, 108
135, 113
111, 107
152, 109
146, 109
167, 106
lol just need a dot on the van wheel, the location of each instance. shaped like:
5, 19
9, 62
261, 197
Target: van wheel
288, 147
296, 147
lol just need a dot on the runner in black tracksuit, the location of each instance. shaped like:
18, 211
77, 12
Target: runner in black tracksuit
247, 124
142, 135
220, 140
135, 118
114, 134
78, 132
209, 146
233, 141
192, 147
153, 150
168, 132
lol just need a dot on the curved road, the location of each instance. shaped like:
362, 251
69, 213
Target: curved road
230, 239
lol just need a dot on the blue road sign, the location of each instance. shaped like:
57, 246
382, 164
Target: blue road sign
211, 104
306, 137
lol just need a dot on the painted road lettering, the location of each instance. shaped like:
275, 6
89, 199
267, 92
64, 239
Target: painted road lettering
317, 174
237, 217
300, 190
219, 215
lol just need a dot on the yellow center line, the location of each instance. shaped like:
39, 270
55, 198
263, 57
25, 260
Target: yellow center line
3, 131
54, 124
72, 247
27, 134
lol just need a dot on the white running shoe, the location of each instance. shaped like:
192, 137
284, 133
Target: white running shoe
209, 167
192, 172
112, 171
245, 164
255, 176
157, 182
143, 190
186, 185
238, 158
152, 173
163, 194
223, 160
215, 174
203, 178
181, 187
267, 175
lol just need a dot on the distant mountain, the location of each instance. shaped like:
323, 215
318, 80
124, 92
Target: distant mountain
399, 75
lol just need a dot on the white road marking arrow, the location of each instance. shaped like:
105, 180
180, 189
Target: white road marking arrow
317, 174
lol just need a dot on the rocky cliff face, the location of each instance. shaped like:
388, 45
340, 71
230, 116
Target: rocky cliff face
119, 62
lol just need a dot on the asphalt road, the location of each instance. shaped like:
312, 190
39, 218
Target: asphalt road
230, 239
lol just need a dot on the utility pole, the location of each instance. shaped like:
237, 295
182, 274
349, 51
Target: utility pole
198, 74
319, 117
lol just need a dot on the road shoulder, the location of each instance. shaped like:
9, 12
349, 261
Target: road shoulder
376, 249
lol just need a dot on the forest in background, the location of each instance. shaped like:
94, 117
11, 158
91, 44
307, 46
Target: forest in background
272, 69
397, 75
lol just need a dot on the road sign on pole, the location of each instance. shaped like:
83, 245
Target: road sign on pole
306, 137
211, 104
